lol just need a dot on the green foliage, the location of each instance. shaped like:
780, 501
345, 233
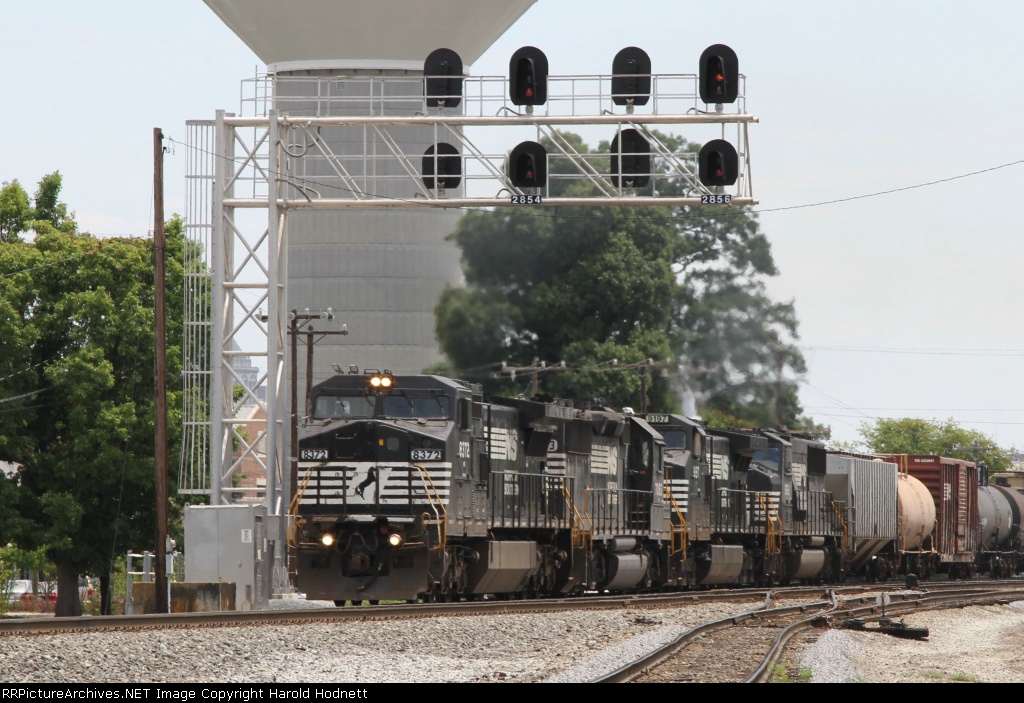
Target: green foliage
76, 383
911, 435
49, 211
15, 211
592, 285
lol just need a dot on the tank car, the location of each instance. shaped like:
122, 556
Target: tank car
953, 545
1000, 512
417, 487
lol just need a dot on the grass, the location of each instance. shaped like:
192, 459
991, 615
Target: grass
781, 674
959, 678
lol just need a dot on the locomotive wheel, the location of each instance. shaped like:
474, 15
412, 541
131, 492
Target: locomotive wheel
340, 603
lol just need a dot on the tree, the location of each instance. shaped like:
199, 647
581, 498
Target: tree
15, 211
593, 286
911, 435
76, 313
48, 208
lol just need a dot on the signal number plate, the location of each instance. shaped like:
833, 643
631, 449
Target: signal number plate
426, 455
313, 454
526, 200
715, 199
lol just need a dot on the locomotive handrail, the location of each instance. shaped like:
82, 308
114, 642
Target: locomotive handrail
773, 541
846, 532
434, 499
297, 520
580, 535
683, 536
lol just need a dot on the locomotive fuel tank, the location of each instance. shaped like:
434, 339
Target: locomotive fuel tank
806, 564
916, 511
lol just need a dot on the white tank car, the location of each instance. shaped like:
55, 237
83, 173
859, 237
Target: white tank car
916, 513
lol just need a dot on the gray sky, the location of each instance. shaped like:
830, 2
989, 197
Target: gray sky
908, 301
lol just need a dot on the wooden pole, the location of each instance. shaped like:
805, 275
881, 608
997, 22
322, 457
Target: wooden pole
160, 347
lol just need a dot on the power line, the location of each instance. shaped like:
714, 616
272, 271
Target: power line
895, 190
952, 410
921, 351
964, 422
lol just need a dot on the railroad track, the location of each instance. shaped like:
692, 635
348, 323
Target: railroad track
42, 625
745, 647
115, 623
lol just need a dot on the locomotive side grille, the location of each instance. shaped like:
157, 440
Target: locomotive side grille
720, 466
501, 443
604, 456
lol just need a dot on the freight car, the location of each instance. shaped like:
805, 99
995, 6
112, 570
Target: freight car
1000, 513
421, 487
953, 485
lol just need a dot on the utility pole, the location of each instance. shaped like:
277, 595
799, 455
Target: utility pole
294, 318
160, 400
781, 355
535, 370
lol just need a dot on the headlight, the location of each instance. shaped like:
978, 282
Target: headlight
395, 539
327, 539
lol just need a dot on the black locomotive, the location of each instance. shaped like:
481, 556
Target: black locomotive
420, 487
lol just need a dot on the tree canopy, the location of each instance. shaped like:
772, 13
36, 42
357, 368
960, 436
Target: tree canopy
604, 289
911, 435
76, 390
15, 211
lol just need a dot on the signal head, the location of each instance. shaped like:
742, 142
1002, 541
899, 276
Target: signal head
631, 77
630, 159
718, 163
719, 79
443, 75
528, 165
528, 76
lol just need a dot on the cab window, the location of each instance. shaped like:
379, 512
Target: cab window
674, 439
336, 406
427, 407
769, 458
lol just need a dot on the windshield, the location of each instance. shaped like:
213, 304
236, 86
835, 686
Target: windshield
769, 458
674, 439
333, 406
402, 405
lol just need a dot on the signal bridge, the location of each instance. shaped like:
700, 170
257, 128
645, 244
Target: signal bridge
309, 140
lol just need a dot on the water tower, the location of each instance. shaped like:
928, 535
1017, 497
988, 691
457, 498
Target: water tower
378, 269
